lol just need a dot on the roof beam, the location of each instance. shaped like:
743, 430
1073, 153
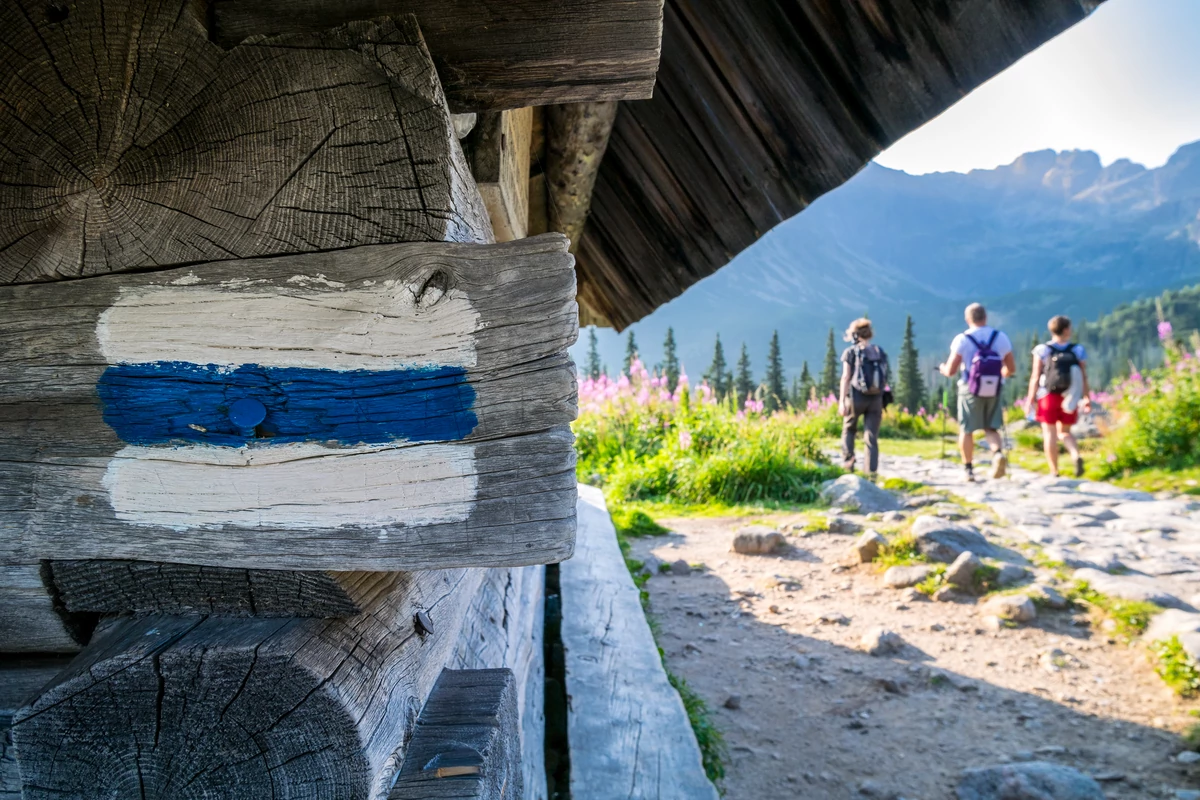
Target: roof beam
489, 55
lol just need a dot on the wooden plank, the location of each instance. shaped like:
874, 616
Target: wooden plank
133, 142
149, 587
466, 744
504, 628
627, 728
20, 679
762, 107
500, 153
247, 708
576, 139
32, 619
494, 56
416, 398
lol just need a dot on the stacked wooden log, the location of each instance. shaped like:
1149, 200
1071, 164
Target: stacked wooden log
283, 434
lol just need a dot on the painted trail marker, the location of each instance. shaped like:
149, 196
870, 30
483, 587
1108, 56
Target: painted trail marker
382, 407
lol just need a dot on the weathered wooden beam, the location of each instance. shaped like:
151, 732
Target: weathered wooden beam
494, 56
466, 745
504, 628
20, 679
410, 405
32, 617
132, 141
576, 138
147, 587
174, 707
499, 153
628, 731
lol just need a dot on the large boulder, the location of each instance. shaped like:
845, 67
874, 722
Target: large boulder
1130, 587
902, 577
941, 540
1015, 607
866, 548
854, 492
1031, 780
962, 571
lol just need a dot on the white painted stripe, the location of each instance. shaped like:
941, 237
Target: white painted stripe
305, 323
301, 486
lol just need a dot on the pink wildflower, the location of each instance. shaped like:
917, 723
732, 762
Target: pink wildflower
1164, 330
685, 440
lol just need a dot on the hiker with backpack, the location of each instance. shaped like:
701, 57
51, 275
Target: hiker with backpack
863, 394
1059, 385
981, 357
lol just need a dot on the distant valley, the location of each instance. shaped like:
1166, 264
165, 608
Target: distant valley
1049, 233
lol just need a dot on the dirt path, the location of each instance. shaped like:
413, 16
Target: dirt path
812, 716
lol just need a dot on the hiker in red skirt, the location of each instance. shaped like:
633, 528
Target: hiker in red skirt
1059, 384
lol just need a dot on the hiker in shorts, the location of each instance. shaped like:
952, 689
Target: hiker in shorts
864, 383
1059, 385
982, 358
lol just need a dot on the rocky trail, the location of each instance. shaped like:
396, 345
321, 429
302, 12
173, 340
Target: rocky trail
835, 677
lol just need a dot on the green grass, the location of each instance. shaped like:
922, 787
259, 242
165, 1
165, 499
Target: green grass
901, 485
1186, 480
1130, 617
630, 521
1176, 668
663, 509
935, 581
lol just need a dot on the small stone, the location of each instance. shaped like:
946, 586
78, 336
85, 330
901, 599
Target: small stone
992, 623
758, 540
866, 547
892, 516
1023, 755
881, 642
680, 568
1011, 575
774, 609
833, 619
962, 571
840, 524
903, 577
912, 596
936, 628
856, 492
941, 540
1049, 596
1187, 757
733, 702
945, 594
1015, 607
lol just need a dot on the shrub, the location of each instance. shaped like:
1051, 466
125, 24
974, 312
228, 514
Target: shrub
1158, 418
634, 522
1176, 667
900, 551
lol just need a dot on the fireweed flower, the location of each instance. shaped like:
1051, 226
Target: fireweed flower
685, 440
1164, 330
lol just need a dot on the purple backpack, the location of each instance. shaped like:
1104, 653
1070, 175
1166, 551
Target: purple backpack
983, 374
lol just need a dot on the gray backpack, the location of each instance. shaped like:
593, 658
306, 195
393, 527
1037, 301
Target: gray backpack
870, 369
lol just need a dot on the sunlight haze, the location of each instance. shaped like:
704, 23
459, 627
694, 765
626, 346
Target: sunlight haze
1121, 83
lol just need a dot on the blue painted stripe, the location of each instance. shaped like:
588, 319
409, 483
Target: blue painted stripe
178, 402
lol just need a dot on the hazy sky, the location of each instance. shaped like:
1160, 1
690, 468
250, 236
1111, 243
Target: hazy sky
1124, 82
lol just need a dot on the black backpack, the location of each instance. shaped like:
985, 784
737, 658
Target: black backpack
1058, 373
870, 369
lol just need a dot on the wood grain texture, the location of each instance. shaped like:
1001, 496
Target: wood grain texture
762, 107
59, 450
505, 628
132, 141
499, 151
466, 745
576, 140
147, 587
32, 616
20, 679
494, 56
628, 731
191, 707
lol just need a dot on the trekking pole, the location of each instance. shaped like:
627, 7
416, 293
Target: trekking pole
944, 422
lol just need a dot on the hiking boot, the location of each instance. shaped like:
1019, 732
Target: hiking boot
999, 465
1079, 467
848, 465
969, 472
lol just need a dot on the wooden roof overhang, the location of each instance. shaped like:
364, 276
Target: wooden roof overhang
760, 107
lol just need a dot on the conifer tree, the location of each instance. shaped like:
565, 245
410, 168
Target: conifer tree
776, 395
804, 388
670, 365
743, 384
829, 370
631, 352
910, 387
592, 367
717, 374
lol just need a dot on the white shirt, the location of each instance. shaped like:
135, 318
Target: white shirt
964, 347
1042, 353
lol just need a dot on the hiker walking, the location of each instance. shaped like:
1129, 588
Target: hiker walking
864, 384
1059, 384
982, 358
